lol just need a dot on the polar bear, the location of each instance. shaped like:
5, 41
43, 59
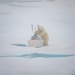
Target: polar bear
43, 34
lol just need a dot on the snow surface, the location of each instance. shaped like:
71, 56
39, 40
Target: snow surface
58, 18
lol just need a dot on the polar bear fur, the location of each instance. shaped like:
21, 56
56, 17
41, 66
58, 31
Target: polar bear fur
43, 34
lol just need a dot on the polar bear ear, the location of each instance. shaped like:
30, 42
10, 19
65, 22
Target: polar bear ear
38, 26
32, 27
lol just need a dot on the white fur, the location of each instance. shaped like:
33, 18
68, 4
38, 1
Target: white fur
43, 34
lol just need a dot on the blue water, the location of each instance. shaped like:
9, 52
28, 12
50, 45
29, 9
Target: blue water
38, 55
21, 45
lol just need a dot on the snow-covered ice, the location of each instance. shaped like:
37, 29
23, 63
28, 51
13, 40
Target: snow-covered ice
58, 18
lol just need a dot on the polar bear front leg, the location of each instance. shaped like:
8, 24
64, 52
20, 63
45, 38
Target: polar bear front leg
45, 43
